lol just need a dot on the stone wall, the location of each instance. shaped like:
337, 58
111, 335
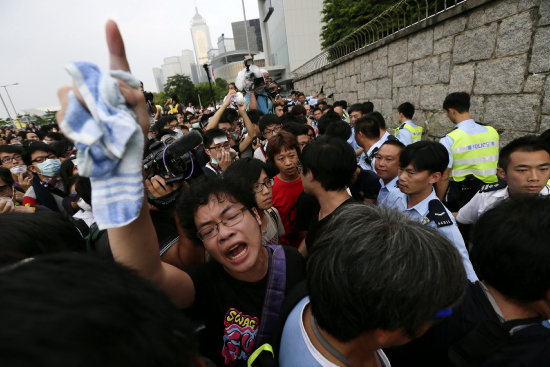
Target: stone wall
498, 51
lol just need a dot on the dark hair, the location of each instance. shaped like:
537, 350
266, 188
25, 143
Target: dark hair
407, 109
460, 101
342, 104
298, 110
358, 107
200, 192
331, 160
67, 176
209, 136
407, 273
528, 143
5, 175
229, 115
245, 172
295, 128
316, 109
55, 136
339, 129
11, 149
394, 142
369, 106
90, 313
425, 155
254, 116
162, 122
83, 187
368, 126
326, 120
35, 148
24, 235
510, 248
377, 116
283, 139
268, 120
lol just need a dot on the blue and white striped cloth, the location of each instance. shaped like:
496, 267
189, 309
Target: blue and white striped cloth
109, 142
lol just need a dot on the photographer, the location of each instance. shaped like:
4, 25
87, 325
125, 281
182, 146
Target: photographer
252, 80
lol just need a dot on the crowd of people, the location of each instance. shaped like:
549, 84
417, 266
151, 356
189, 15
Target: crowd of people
272, 231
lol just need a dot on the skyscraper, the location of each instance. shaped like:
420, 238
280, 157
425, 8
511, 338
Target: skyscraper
201, 42
240, 30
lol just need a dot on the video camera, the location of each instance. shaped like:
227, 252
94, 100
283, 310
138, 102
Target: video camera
250, 78
173, 157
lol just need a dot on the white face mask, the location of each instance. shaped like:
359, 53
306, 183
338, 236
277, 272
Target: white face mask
18, 169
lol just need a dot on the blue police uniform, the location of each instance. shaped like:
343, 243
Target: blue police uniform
434, 214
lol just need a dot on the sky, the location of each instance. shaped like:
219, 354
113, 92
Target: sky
38, 38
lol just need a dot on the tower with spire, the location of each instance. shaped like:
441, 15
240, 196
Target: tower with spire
201, 42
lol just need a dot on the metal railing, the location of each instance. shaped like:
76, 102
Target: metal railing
404, 14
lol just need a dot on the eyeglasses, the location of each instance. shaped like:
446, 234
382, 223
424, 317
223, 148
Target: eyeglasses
272, 131
14, 157
42, 159
231, 219
259, 186
225, 146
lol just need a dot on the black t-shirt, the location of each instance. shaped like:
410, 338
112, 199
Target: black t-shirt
316, 224
231, 309
307, 208
527, 347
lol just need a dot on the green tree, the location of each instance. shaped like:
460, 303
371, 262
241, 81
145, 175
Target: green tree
50, 117
183, 87
159, 98
222, 83
341, 17
203, 90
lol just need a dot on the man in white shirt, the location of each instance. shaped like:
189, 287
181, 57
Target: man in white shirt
370, 134
387, 167
525, 166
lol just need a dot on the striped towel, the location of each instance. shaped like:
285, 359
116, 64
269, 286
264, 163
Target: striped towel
109, 143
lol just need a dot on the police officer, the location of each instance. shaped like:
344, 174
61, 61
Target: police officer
421, 165
408, 132
525, 165
473, 154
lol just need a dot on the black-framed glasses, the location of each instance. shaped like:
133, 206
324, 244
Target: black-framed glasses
272, 131
259, 186
231, 219
42, 159
14, 157
225, 146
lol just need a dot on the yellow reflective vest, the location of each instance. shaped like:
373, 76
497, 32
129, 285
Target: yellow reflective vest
173, 109
475, 155
416, 133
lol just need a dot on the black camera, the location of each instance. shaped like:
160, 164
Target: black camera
174, 158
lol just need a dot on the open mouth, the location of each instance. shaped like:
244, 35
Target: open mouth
236, 252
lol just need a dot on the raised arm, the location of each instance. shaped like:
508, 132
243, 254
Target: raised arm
135, 244
249, 128
214, 120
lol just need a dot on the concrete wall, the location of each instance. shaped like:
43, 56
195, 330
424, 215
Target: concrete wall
498, 51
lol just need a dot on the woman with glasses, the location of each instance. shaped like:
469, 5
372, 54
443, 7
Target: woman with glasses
251, 174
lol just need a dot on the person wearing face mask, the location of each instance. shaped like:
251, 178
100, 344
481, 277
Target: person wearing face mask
11, 157
46, 186
8, 193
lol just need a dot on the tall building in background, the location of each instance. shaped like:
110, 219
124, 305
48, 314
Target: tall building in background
201, 42
252, 27
290, 33
184, 65
225, 44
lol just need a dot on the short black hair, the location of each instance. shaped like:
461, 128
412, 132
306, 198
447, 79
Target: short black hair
343, 104
254, 116
229, 115
11, 149
460, 101
245, 172
209, 136
203, 189
528, 143
55, 136
407, 109
269, 119
377, 116
89, 312
295, 128
368, 126
35, 148
510, 248
339, 129
24, 235
331, 160
369, 106
425, 155
358, 107
395, 143
327, 119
